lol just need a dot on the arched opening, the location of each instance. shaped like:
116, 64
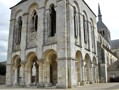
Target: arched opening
75, 22
78, 66
86, 29
18, 31
33, 69
34, 21
87, 68
51, 62
16, 70
52, 20
53, 70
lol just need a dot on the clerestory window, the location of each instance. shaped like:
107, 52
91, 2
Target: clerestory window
18, 31
34, 22
52, 21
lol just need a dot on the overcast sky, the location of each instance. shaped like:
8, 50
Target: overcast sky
109, 9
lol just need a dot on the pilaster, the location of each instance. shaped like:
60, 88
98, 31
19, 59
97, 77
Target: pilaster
24, 35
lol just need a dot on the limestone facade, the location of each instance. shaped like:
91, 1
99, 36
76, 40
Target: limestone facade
52, 43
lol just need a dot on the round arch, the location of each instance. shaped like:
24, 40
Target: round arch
47, 3
16, 64
78, 65
50, 61
32, 7
33, 68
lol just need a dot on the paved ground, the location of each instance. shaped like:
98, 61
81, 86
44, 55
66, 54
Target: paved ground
102, 86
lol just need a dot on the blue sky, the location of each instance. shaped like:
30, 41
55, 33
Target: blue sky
110, 15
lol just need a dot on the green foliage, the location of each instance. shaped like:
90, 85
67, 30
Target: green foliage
2, 69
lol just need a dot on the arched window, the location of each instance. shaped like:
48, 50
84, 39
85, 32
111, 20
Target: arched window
34, 22
75, 23
52, 20
18, 31
84, 27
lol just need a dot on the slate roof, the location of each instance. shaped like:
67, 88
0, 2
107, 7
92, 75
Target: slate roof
101, 25
114, 66
114, 44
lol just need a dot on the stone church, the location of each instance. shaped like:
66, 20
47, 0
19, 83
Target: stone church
57, 43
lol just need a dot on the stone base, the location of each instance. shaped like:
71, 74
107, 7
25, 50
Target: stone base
61, 86
48, 85
9, 85
40, 85
91, 82
78, 84
82, 83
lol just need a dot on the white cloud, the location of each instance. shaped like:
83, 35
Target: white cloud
4, 26
109, 9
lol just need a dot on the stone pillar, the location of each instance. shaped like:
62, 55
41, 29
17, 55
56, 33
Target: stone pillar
96, 74
9, 75
62, 74
62, 48
89, 74
92, 74
16, 75
29, 67
83, 73
24, 34
22, 83
40, 63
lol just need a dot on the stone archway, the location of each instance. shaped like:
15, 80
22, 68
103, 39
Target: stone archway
32, 69
78, 57
87, 68
50, 71
53, 70
16, 70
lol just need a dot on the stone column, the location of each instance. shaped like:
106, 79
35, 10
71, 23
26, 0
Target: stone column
24, 34
9, 75
29, 67
83, 73
22, 83
40, 63
62, 48
16, 75
92, 74
96, 74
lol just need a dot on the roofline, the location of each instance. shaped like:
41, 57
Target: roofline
110, 51
89, 8
18, 3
